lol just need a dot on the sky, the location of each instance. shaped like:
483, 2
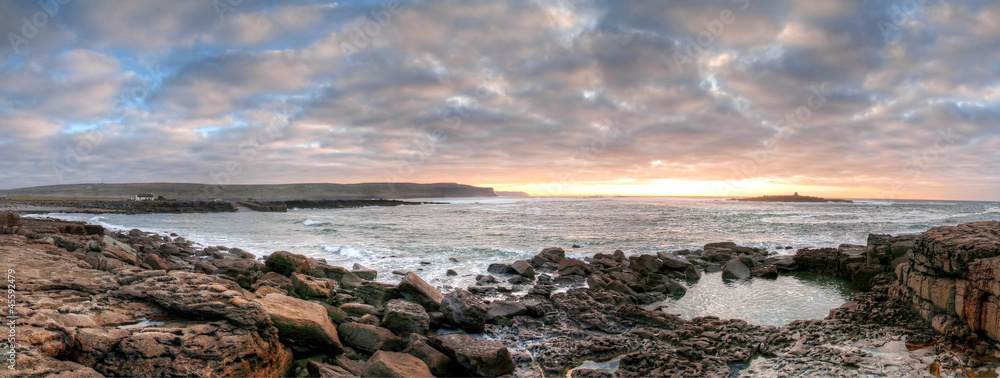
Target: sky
857, 99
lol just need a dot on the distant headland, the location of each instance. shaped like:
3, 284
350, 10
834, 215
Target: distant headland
792, 198
275, 192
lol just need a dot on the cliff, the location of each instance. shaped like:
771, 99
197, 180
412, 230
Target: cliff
953, 279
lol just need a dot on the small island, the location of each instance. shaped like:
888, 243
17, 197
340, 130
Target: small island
792, 198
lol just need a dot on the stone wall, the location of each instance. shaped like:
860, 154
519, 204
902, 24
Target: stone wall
953, 279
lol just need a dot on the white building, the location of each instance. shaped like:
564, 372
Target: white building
144, 197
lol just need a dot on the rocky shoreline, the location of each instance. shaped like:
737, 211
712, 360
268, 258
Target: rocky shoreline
93, 302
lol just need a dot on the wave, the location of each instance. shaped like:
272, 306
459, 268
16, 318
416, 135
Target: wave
879, 203
344, 251
992, 210
310, 222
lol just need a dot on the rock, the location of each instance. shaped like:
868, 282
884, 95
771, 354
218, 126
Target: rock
548, 255
522, 268
500, 268
573, 267
438, 362
486, 358
303, 325
485, 279
351, 281
368, 338
717, 255
646, 264
518, 280
735, 270
358, 309
672, 262
286, 263
93, 229
765, 271
403, 317
364, 273
392, 364
319, 369
720, 245
117, 250
154, 262
691, 273
675, 288
335, 313
506, 309
415, 289
275, 280
465, 310
352, 366
306, 286
197, 295
451, 273
376, 293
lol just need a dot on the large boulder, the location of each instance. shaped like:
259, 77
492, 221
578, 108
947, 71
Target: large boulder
412, 287
673, 262
376, 293
735, 270
403, 317
765, 271
438, 362
368, 338
573, 267
303, 325
523, 269
465, 310
312, 287
392, 364
286, 263
548, 255
486, 358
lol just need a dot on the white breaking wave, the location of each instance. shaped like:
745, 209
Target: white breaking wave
310, 222
344, 251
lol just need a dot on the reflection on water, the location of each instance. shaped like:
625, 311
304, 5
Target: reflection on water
794, 296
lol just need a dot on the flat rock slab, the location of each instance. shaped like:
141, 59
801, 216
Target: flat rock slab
487, 358
392, 364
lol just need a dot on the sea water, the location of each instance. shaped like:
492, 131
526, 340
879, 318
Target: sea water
480, 231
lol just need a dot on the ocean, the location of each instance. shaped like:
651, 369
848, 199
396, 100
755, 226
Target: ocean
480, 231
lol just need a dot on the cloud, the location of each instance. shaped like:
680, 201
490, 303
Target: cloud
842, 94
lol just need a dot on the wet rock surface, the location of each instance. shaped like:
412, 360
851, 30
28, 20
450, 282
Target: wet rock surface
140, 304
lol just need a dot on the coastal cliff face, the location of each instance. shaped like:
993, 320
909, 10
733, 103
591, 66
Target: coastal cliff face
953, 279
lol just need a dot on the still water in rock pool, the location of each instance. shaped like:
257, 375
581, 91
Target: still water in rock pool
761, 301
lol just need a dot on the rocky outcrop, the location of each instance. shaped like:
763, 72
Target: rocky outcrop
952, 278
